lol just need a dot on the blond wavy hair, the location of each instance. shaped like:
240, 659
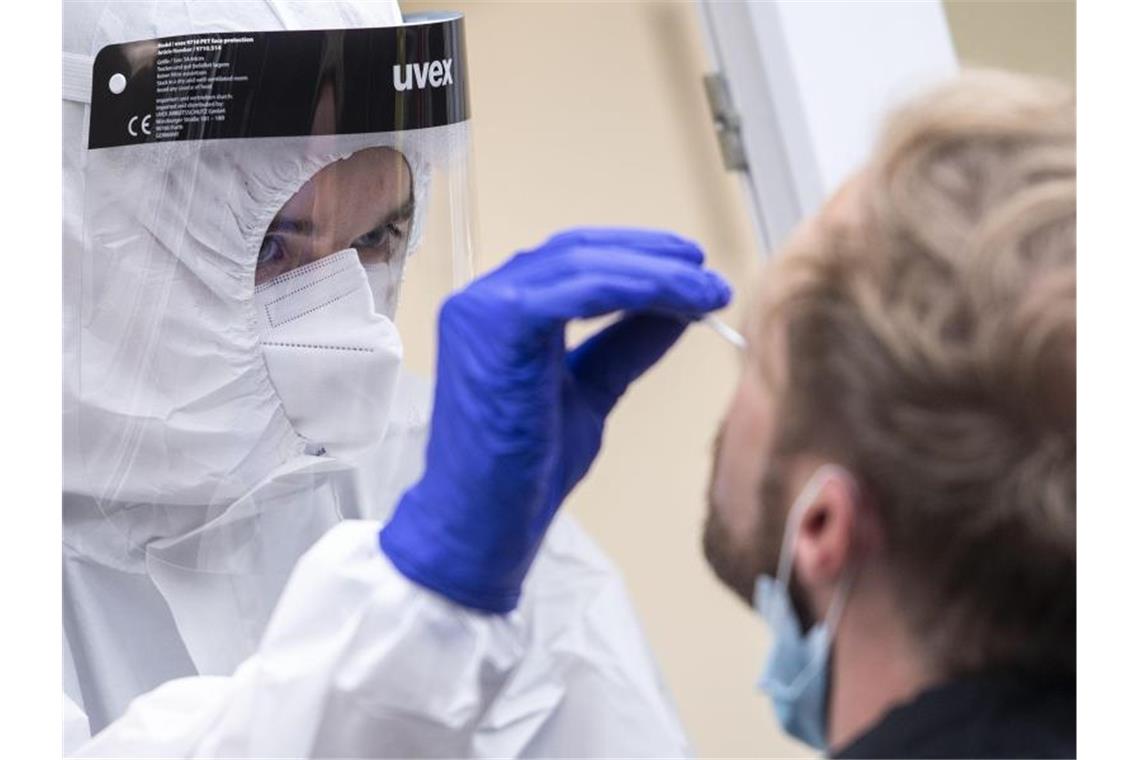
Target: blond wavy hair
931, 347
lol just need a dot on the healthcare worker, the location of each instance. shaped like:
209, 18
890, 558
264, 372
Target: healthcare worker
250, 191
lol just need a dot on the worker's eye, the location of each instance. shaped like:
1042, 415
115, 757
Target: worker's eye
275, 257
381, 244
379, 237
272, 251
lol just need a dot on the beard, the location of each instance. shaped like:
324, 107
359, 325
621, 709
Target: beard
738, 560
735, 567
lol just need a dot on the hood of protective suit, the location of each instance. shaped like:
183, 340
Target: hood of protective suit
188, 492
167, 399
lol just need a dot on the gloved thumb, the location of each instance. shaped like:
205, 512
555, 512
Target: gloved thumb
606, 363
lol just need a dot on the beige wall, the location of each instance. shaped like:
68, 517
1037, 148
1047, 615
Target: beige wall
1025, 35
593, 113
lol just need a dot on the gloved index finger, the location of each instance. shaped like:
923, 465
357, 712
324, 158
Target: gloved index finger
590, 282
648, 241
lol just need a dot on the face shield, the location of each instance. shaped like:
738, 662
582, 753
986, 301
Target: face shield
240, 190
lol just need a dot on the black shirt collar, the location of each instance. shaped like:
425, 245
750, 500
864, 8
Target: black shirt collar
999, 714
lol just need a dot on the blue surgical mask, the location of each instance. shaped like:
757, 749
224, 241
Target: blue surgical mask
796, 673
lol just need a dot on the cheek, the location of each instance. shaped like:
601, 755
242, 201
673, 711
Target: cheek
743, 453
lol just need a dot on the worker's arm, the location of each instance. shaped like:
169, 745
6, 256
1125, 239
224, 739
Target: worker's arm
357, 661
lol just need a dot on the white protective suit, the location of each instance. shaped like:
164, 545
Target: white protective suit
193, 625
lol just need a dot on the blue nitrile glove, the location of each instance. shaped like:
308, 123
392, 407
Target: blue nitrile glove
518, 419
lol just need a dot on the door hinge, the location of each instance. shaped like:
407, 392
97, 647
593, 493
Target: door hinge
727, 123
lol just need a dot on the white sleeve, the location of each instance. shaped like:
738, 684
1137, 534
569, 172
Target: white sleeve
76, 728
357, 661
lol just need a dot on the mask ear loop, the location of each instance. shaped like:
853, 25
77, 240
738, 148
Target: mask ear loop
818, 480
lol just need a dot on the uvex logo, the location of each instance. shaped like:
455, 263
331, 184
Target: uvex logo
420, 75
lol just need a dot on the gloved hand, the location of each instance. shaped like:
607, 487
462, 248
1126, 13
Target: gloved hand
518, 419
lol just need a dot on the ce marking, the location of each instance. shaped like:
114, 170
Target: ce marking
144, 125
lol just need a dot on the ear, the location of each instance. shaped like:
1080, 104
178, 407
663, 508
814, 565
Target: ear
825, 543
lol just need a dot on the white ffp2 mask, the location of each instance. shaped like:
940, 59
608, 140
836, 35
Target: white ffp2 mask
332, 359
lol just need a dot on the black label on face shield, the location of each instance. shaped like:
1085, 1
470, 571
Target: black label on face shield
280, 84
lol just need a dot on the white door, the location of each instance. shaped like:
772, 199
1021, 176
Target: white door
802, 87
